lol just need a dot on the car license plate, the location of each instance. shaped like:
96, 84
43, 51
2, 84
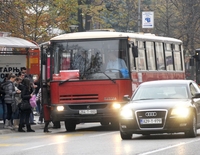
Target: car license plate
151, 121
88, 112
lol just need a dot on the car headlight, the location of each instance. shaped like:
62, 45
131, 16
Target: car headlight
180, 112
60, 108
126, 114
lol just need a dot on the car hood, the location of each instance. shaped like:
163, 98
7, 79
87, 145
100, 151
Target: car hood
158, 104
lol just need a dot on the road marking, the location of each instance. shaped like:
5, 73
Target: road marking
6, 145
39, 146
103, 134
169, 147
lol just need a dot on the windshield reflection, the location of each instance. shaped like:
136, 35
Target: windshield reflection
161, 92
92, 58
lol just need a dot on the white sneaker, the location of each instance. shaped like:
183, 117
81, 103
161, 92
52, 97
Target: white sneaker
7, 127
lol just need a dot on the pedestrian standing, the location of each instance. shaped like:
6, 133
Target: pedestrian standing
9, 98
18, 99
26, 94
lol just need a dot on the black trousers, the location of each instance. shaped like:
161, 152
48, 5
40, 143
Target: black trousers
24, 117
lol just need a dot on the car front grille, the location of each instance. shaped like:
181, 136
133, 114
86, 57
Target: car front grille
151, 116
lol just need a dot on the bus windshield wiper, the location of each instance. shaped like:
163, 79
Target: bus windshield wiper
108, 77
61, 82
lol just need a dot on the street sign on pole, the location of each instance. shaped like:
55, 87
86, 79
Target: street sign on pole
148, 19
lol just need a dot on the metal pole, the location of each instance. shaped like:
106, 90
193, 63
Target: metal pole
139, 16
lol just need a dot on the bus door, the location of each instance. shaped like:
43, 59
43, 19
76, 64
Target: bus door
45, 82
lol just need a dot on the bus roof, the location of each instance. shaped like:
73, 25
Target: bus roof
107, 34
14, 42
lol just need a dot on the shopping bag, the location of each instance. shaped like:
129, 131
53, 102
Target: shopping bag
33, 101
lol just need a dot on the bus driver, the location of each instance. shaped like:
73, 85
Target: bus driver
115, 62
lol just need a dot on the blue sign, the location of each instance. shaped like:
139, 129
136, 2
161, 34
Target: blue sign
148, 19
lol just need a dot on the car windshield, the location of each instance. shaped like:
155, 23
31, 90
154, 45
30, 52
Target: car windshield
161, 92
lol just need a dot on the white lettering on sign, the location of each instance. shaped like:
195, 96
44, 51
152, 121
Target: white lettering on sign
11, 64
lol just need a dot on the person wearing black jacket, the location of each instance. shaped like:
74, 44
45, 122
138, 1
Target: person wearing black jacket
26, 94
2, 94
10, 92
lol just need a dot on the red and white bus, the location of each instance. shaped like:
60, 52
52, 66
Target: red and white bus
87, 91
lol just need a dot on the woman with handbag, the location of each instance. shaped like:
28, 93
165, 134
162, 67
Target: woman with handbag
26, 109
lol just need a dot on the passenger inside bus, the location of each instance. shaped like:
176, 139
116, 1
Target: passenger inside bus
116, 64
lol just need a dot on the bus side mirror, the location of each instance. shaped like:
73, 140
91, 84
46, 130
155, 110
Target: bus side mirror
135, 51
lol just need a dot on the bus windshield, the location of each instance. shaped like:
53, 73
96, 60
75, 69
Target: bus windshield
94, 59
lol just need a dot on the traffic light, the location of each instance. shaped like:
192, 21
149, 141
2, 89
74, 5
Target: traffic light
197, 55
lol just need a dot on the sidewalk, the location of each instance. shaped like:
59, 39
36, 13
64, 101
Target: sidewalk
7, 131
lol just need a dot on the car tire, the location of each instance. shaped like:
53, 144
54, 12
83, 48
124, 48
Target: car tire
125, 136
70, 125
193, 128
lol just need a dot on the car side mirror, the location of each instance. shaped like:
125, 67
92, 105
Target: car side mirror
126, 98
196, 95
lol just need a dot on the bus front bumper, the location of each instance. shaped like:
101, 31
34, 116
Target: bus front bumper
92, 113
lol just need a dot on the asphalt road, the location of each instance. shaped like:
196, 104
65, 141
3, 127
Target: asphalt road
93, 139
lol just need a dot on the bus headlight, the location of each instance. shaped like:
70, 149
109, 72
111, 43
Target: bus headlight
60, 108
126, 114
180, 112
116, 105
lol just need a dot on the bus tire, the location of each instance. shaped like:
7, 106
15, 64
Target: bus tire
70, 125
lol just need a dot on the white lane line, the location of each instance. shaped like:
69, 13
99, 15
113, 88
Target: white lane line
103, 134
39, 146
169, 147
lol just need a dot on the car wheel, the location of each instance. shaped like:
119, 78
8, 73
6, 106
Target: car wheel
125, 135
70, 125
193, 128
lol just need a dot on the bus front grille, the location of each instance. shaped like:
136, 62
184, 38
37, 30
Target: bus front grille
80, 97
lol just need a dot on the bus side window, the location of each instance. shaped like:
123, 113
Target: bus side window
168, 57
160, 56
177, 58
150, 55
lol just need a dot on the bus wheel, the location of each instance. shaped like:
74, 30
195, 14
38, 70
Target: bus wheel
70, 125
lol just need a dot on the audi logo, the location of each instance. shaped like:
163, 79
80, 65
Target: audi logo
150, 114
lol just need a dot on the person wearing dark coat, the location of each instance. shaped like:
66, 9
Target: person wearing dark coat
26, 94
9, 99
